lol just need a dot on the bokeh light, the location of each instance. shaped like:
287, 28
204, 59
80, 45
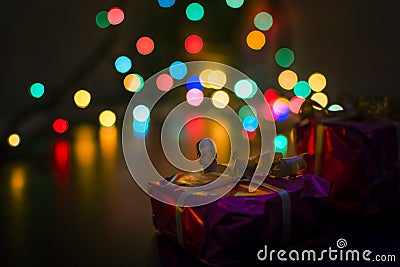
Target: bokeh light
302, 89
335, 107
194, 97
145, 45
193, 44
281, 109
287, 79
82, 98
255, 40
249, 135
102, 19
60, 125
195, 11
250, 123
220, 99
216, 79
141, 113
320, 98
204, 74
284, 57
271, 95
123, 64
245, 88
263, 21
193, 82
140, 128
178, 70
115, 15
133, 82
166, 3
235, 3
107, 118
317, 82
246, 111
14, 140
280, 142
37, 90
295, 104
164, 82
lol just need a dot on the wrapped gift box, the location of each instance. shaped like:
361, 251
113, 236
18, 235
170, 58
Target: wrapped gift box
360, 158
234, 227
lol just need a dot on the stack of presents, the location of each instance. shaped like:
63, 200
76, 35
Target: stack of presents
350, 166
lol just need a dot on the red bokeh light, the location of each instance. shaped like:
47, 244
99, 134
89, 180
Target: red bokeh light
193, 44
60, 126
145, 45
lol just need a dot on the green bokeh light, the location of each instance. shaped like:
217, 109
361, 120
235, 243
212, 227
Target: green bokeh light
246, 111
302, 89
263, 21
195, 11
284, 57
37, 90
235, 3
102, 19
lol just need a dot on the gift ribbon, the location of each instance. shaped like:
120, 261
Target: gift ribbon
285, 201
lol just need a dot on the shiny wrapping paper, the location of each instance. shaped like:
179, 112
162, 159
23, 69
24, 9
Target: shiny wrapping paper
360, 158
233, 228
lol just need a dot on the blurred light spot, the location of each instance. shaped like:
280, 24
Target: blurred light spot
14, 140
18, 178
263, 21
234, 3
82, 98
140, 128
60, 125
123, 64
204, 78
268, 113
255, 40
280, 142
164, 82
245, 88
217, 79
284, 57
246, 111
281, 109
250, 123
302, 89
115, 15
220, 99
193, 44
248, 135
61, 157
193, 82
195, 11
166, 3
320, 98
85, 148
194, 97
145, 45
102, 19
295, 104
271, 96
107, 118
133, 82
335, 107
317, 82
178, 70
37, 90
141, 113
287, 79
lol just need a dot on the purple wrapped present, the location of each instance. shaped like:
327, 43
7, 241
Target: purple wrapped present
233, 228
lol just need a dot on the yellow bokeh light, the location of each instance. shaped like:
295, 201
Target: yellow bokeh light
321, 99
107, 118
14, 140
287, 79
204, 78
317, 82
133, 82
217, 79
82, 98
255, 40
220, 99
